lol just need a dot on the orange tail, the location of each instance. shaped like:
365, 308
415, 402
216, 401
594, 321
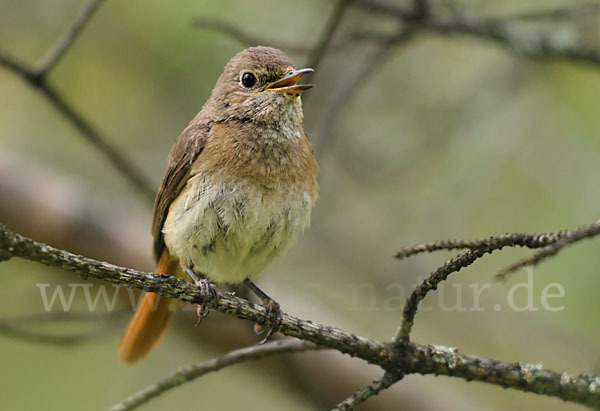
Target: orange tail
151, 318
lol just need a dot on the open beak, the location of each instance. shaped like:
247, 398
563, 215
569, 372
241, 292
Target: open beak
287, 84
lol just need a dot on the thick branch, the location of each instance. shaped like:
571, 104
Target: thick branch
190, 373
411, 358
439, 360
15, 245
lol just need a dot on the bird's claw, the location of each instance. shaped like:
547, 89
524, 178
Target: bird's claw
275, 316
208, 290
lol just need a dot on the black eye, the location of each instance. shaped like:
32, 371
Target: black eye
248, 80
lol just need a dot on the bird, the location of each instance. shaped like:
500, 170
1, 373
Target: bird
239, 187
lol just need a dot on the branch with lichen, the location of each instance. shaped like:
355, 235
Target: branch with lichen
551, 244
395, 359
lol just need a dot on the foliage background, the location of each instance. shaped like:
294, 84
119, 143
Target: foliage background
448, 138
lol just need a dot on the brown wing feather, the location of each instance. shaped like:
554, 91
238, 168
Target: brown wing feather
184, 152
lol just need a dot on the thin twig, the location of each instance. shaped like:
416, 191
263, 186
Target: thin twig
67, 38
119, 162
246, 39
565, 238
476, 250
506, 240
374, 6
37, 79
420, 9
66, 340
557, 13
190, 373
410, 358
465, 259
63, 316
14, 327
326, 136
502, 31
318, 52
367, 392
525, 43
18, 68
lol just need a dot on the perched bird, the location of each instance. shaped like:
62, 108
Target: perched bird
239, 187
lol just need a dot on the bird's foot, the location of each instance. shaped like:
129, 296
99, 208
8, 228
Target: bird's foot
207, 290
273, 312
275, 316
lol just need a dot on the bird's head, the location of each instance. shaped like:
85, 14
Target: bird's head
259, 84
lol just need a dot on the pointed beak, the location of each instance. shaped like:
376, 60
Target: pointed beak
287, 84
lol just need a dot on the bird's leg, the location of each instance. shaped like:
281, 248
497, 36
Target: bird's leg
273, 311
207, 289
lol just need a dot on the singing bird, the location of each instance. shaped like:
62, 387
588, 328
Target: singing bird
239, 187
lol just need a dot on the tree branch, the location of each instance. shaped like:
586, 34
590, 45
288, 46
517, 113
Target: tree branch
190, 373
394, 358
246, 39
36, 78
506, 32
67, 38
506, 240
465, 259
367, 392
476, 250
564, 238
318, 52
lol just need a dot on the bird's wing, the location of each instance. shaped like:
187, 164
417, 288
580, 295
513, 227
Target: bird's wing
184, 152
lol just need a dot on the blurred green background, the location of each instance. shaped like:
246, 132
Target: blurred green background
449, 137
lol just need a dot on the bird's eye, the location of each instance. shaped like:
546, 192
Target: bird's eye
248, 79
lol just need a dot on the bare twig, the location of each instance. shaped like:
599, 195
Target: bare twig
527, 43
374, 6
506, 240
66, 39
12, 64
325, 137
476, 250
565, 238
408, 358
420, 9
318, 52
37, 79
246, 39
15, 327
63, 316
60, 340
465, 259
557, 13
190, 373
367, 391
503, 31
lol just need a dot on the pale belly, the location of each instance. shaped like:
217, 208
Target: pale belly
227, 233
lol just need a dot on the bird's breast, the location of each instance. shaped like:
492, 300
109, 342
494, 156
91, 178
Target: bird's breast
229, 230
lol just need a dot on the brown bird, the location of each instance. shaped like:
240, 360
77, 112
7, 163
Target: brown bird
239, 188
